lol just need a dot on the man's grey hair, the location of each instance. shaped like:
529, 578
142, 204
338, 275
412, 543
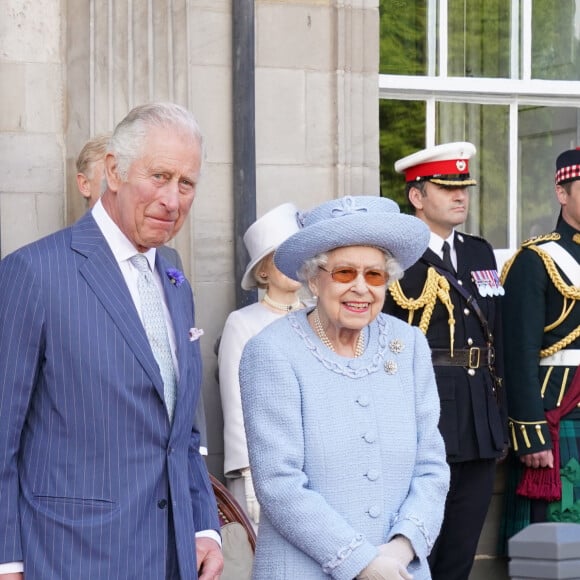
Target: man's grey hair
127, 141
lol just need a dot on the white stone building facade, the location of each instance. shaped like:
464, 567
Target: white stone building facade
71, 69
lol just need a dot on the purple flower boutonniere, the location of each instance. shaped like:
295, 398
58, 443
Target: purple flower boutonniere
175, 276
195, 333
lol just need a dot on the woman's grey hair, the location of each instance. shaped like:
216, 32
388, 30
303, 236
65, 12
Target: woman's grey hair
127, 141
310, 268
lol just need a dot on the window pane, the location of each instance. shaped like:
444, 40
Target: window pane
544, 132
487, 127
555, 40
403, 37
402, 126
479, 38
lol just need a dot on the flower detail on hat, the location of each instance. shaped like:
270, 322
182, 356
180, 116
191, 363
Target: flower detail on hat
348, 207
175, 276
195, 333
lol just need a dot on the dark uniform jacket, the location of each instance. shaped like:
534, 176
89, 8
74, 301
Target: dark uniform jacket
534, 300
473, 414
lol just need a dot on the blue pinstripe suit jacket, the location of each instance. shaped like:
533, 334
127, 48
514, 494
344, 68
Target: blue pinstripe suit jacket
88, 458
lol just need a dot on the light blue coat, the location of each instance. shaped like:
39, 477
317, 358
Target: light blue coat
345, 453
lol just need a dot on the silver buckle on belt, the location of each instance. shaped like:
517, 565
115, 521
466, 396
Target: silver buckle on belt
474, 353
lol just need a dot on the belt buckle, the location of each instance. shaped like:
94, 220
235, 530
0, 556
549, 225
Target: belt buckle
474, 352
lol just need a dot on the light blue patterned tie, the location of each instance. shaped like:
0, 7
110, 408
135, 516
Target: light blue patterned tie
156, 329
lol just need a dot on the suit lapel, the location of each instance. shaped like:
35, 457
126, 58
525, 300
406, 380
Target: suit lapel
104, 277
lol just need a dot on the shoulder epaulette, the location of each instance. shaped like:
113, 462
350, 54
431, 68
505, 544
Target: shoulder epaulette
474, 236
529, 243
541, 239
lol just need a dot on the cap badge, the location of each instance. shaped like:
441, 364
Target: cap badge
460, 164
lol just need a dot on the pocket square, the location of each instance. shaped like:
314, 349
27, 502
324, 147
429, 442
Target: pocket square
195, 333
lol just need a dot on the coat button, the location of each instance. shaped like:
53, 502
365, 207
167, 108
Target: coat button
466, 311
162, 504
373, 474
471, 372
470, 341
363, 401
370, 437
374, 511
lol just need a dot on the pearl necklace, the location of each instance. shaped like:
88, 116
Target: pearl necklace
280, 306
360, 341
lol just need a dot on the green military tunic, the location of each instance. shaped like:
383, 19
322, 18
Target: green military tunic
541, 317
541, 312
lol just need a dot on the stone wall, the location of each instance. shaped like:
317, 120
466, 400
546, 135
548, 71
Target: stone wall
70, 70
32, 116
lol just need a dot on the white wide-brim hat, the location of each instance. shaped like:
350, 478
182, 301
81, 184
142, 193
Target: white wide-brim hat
354, 221
265, 235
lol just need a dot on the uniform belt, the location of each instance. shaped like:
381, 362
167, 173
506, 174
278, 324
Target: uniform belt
563, 358
471, 358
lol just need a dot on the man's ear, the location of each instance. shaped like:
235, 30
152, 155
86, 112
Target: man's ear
562, 195
416, 198
111, 172
84, 185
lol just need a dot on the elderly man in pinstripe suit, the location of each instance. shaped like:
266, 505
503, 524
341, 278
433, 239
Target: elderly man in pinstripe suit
100, 471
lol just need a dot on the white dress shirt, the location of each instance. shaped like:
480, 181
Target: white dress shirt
436, 245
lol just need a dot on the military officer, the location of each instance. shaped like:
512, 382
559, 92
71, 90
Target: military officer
452, 293
541, 314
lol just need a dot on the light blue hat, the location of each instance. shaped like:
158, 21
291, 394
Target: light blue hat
354, 221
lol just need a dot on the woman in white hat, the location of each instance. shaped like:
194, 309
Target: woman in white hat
341, 408
279, 298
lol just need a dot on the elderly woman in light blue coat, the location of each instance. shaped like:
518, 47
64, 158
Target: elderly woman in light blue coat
341, 409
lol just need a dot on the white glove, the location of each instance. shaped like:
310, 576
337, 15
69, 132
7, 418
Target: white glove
385, 568
399, 548
252, 504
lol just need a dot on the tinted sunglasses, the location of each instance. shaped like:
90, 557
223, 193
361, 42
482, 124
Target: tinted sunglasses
346, 274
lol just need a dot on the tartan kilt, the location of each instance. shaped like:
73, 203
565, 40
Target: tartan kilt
516, 509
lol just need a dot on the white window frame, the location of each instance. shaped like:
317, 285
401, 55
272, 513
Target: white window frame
513, 92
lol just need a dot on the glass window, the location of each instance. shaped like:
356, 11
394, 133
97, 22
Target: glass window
544, 132
555, 39
519, 127
403, 37
479, 38
487, 127
402, 132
